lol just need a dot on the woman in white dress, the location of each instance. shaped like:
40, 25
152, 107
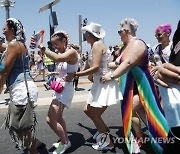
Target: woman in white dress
101, 95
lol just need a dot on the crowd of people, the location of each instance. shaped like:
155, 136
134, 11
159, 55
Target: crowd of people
148, 85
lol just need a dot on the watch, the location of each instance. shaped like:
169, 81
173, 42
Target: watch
112, 76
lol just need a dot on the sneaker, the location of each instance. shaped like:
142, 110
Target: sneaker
101, 148
62, 148
77, 89
103, 142
6, 91
47, 86
95, 135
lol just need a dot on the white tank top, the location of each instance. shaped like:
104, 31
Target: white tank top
103, 66
63, 68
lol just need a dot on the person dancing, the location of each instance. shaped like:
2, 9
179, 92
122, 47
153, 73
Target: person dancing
101, 95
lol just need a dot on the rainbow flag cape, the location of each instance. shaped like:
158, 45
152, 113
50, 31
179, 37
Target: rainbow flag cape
39, 37
157, 124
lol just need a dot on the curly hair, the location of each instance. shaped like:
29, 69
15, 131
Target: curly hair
129, 24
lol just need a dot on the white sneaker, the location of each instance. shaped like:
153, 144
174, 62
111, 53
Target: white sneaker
103, 141
101, 148
95, 135
56, 144
62, 148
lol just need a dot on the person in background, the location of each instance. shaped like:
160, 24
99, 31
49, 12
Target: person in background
49, 63
162, 50
115, 53
168, 77
109, 52
31, 60
40, 64
3, 47
76, 78
101, 95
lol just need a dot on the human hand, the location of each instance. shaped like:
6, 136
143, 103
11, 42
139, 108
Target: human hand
168, 73
105, 77
153, 70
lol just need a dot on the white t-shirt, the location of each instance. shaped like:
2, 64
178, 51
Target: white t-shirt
165, 52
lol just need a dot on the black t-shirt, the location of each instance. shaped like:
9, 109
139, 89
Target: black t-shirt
175, 58
175, 54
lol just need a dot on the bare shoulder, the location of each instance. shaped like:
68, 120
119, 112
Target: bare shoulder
13, 44
98, 46
138, 44
16, 47
98, 43
72, 51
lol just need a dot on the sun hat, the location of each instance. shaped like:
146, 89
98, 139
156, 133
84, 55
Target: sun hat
94, 29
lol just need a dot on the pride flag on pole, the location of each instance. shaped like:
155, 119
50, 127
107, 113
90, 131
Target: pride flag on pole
39, 37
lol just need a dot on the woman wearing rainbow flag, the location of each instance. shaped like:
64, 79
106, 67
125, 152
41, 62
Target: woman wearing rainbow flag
133, 68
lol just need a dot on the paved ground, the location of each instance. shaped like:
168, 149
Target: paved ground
80, 128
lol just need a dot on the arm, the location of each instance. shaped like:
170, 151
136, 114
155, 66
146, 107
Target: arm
97, 52
3, 46
12, 53
168, 73
70, 56
135, 52
112, 65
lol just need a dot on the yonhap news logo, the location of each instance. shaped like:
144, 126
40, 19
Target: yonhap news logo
146, 139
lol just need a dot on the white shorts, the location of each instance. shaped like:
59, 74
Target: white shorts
18, 93
66, 96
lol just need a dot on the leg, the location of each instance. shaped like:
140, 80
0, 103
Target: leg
95, 115
55, 120
43, 74
136, 123
34, 77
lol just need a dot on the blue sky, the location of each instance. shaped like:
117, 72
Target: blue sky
108, 13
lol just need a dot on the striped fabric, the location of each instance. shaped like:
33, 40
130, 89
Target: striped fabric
157, 124
39, 37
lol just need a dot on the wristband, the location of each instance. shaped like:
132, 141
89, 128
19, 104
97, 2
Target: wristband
111, 76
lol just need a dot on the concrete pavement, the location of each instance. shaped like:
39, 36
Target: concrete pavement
80, 127
45, 96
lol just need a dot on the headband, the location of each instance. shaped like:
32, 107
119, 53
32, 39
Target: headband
20, 33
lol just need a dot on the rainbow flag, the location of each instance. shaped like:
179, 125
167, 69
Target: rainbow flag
39, 37
157, 124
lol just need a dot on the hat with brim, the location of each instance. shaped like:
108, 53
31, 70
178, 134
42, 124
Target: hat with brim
94, 29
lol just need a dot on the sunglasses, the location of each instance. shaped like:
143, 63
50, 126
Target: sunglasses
159, 35
120, 31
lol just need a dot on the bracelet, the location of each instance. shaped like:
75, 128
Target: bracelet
111, 76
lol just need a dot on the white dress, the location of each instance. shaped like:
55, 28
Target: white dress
66, 96
103, 94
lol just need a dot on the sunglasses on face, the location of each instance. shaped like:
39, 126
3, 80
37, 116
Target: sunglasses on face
159, 35
120, 31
